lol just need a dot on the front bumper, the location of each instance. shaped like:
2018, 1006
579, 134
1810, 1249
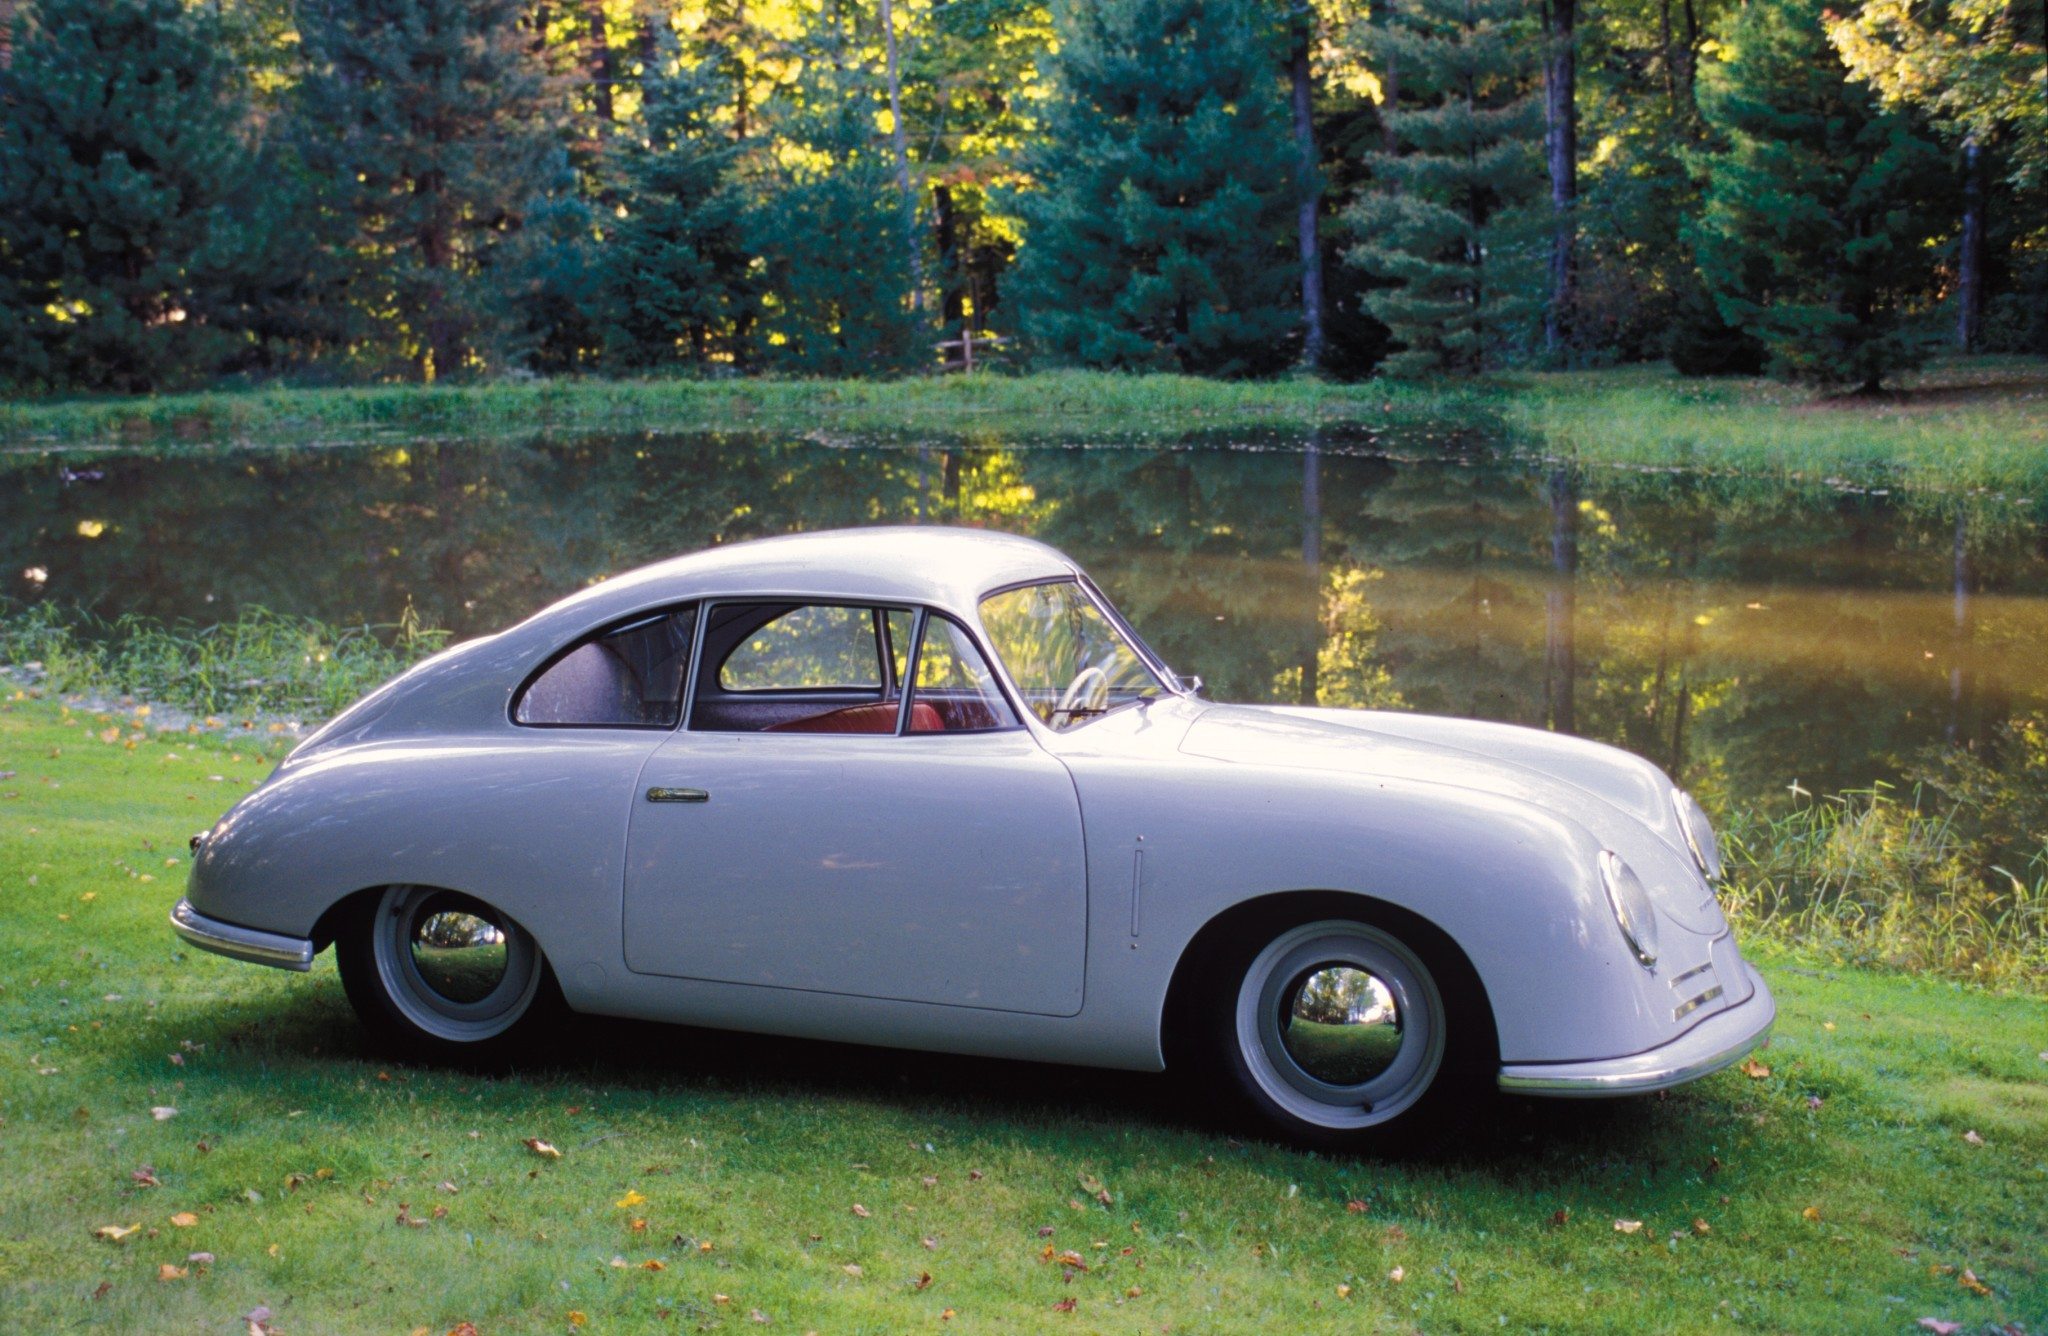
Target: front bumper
231, 939
1719, 1041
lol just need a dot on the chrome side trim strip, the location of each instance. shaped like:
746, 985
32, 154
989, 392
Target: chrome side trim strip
239, 943
1692, 973
1695, 1004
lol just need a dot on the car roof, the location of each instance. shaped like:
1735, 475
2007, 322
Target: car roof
944, 567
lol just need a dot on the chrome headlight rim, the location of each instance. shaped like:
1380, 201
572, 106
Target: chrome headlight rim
1700, 839
1630, 900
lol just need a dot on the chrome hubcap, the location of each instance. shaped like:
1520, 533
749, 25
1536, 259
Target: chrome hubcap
1340, 1024
457, 968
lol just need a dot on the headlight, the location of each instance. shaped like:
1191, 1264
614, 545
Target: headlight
1699, 834
1631, 904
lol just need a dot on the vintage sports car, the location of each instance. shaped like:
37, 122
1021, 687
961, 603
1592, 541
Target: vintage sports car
926, 788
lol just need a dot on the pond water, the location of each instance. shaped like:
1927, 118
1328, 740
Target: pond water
1744, 634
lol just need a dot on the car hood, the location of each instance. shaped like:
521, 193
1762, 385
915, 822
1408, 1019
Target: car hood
1623, 800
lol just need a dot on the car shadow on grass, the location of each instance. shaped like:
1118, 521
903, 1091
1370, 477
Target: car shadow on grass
1503, 1138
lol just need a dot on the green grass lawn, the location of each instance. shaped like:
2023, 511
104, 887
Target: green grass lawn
1979, 422
705, 1180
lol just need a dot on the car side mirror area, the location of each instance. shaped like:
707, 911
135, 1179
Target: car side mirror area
1191, 683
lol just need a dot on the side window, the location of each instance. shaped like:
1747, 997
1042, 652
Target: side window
807, 648
630, 676
954, 691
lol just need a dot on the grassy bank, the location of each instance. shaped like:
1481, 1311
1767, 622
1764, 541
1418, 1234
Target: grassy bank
1975, 422
1892, 1165
1052, 404
1979, 422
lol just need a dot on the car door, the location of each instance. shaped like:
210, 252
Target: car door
777, 841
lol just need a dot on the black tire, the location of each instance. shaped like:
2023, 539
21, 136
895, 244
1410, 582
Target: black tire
438, 976
1334, 1033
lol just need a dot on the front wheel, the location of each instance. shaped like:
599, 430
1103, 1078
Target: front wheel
443, 976
1336, 1034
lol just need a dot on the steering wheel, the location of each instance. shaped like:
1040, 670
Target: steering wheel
1088, 691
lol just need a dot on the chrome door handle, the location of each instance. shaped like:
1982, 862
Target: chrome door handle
661, 795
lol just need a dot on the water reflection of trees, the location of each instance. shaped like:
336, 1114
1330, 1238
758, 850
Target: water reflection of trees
1742, 633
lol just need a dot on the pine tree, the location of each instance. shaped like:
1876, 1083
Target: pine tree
1812, 238
1161, 233
122, 158
830, 227
430, 121
675, 266
1449, 223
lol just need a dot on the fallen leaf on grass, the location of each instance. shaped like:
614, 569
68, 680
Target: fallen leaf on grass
163, 1113
756, 1315
544, 1149
1398, 1274
1810, 1213
923, 1282
200, 1258
1968, 1280
1939, 1327
463, 1329
1064, 1306
627, 1202
861, 1211
852, 1269
258, 1320
1754, 1070
165, 1271
1701, 1227
577, 1317
1343, 1291
1972, 1137
115, 1233
1628, 1226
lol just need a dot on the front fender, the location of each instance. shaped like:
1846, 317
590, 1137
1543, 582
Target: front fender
1514, 884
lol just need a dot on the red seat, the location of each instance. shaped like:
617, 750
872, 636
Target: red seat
879, 717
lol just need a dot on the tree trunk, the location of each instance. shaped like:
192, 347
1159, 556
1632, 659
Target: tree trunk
1970, 257
739, 46
1308, 210
1561, 605
1312, 561
899, 138
1390, 106
598, 64
1959, 644
952, 290
1561, 146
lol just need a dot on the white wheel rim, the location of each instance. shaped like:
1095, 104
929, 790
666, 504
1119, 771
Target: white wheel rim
456, 1003
1387, 1061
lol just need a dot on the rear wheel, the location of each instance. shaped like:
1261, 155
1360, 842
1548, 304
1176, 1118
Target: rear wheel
441, 975
1336, 1033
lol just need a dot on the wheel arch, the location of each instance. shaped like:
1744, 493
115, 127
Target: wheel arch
1464, 991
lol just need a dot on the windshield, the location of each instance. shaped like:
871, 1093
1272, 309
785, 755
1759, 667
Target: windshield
1069, 661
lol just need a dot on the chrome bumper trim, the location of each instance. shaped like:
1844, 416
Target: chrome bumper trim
1721, 1040
230, 939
